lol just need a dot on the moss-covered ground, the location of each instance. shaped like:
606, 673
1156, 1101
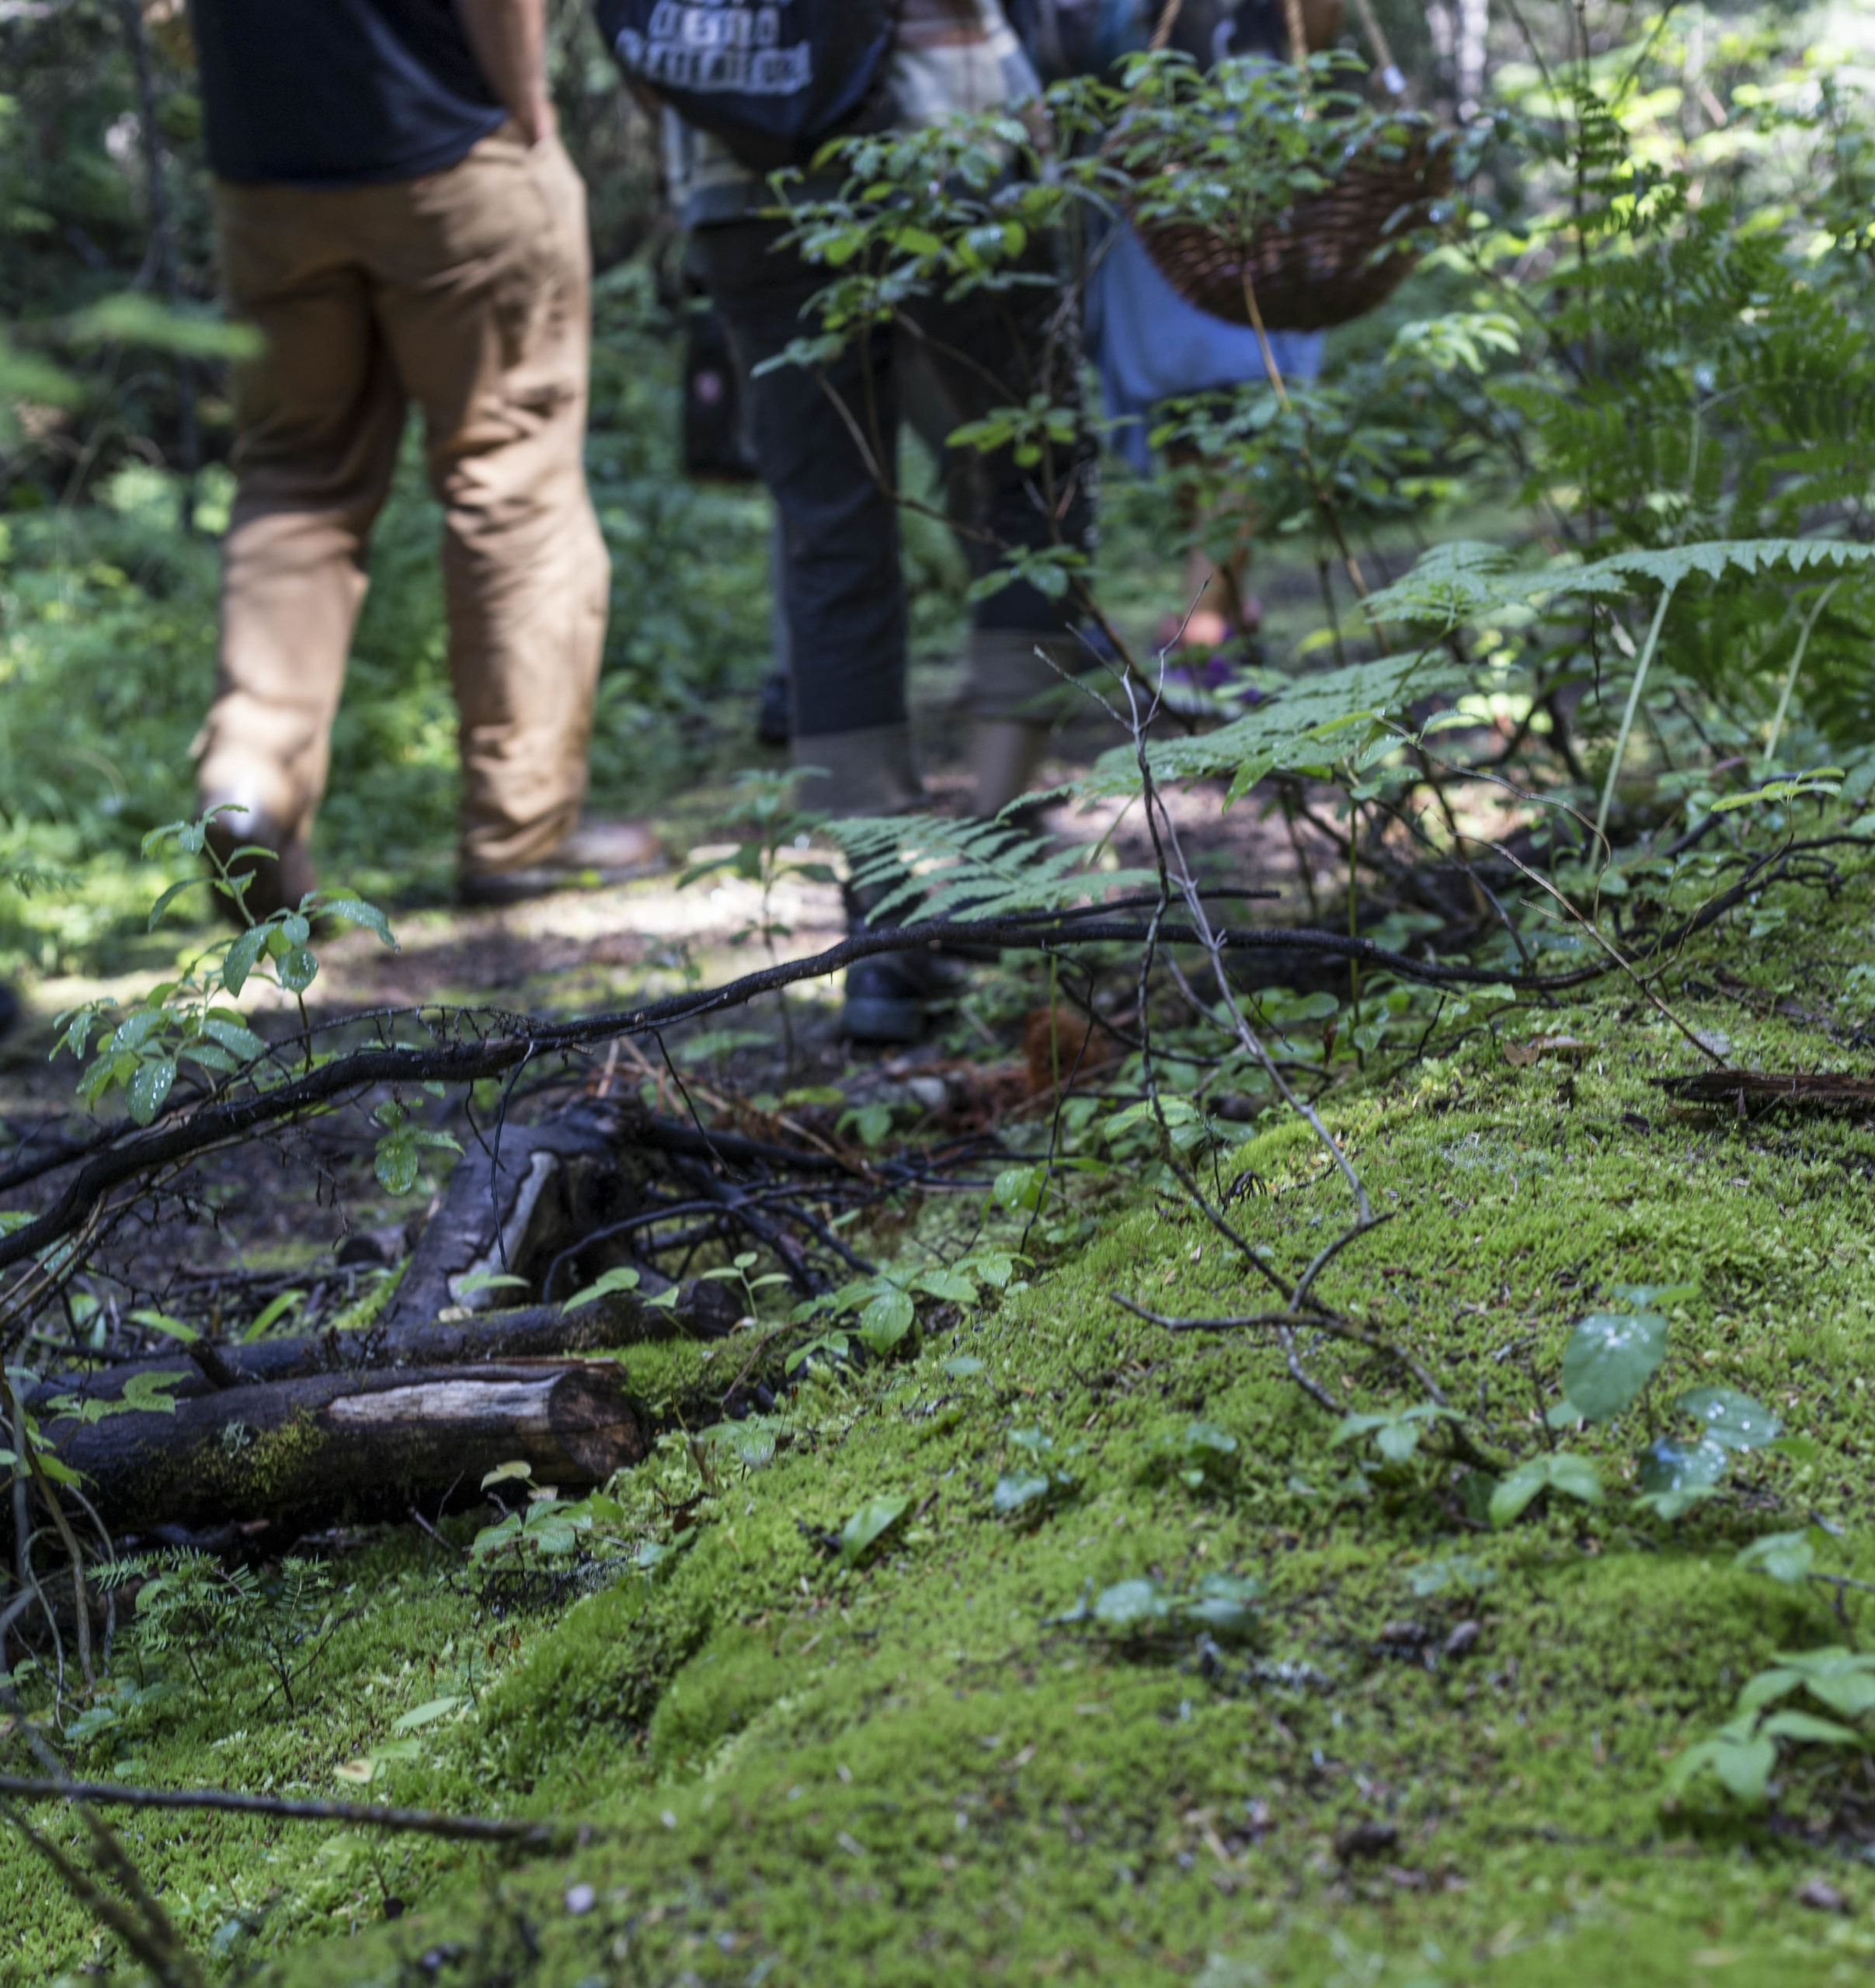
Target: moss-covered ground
1439, 1758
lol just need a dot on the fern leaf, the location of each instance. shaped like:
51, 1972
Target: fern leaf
926, 867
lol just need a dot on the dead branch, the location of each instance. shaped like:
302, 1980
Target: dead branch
354, 1815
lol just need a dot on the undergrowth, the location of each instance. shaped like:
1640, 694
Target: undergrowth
1426, 1750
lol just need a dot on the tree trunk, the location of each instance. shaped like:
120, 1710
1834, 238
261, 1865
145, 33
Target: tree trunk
353, 1445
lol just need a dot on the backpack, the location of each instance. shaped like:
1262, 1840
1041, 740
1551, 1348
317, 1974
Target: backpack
770, 79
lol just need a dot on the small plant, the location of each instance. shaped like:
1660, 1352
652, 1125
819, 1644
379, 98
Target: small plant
1201, 1456
1743, 1754
183, 1021
1610, 1365
1223, 1606
188, 1604
1026, 1492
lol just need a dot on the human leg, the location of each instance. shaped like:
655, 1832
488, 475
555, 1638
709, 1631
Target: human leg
317, 414
825, 442
482, 286
992, 349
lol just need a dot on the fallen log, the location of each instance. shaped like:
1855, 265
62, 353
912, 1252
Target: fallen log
704, 1309
514, 1210
352, 1445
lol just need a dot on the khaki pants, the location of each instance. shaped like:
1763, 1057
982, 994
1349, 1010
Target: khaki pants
467, 291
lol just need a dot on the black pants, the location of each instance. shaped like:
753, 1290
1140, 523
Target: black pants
824, 437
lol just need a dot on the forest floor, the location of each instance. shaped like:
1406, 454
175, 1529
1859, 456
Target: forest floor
1016, 1733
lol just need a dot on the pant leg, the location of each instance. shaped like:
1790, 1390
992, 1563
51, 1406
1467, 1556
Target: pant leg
318, 415
482, 285
844, 593
987, 350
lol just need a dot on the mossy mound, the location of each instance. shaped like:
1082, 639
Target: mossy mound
1435, 1753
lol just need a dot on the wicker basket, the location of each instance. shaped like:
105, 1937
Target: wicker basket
1333, 255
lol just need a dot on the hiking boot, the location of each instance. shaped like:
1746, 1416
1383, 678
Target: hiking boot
889, 998
278, 880
775, 724
595, 854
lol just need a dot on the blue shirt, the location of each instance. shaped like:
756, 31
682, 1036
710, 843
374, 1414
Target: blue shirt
337, 92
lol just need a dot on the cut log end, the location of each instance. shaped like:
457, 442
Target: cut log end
354, 1445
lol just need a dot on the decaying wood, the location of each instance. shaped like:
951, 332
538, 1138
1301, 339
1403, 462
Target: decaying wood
511, 1211
1750, 1090
352, 1444
702, 1310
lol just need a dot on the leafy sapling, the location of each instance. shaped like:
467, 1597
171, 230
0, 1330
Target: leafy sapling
184, 1022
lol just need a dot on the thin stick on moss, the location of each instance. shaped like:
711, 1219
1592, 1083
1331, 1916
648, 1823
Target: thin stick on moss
355, 1815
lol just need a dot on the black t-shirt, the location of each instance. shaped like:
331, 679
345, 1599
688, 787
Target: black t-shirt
337, 92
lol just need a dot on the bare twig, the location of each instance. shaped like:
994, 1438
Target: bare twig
355, 1815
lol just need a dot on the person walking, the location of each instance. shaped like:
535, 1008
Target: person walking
399, 222
842, 586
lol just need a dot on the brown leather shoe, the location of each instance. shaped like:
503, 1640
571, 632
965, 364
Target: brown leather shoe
278, 881
596, 853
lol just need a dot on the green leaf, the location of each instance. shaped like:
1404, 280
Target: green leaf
358, 913
951, 1287
961, 1366
427, 1714
873, 1520
1675, 1476
1019, 1491
621, 1279
395, 1164
479, 1281
242, 955
150, 1086
1844, 1680
146, 1393
1572, 1476
1733, 1420
1224, 1606
161, 1321
297, 969
1744, 1767
169, 896
886, 1320
235, 1038
516, 1470
270, 1314
1575, 1477
1610, 1357
1131, 1604
1738, 1755
1020, 1189
1806, 1726
1785, 1556
750, 1443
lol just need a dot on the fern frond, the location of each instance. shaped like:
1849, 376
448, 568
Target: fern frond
1297, 729
928, 866
1466, 581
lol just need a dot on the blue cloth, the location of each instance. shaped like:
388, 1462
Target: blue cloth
1149, 345
337, 92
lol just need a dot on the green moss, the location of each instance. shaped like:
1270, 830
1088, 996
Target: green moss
677, 1379
932, 1765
